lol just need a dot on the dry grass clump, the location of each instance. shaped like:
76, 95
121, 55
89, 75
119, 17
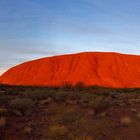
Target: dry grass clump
27, 130
49, 100
125, 121
87, 137
21, 106
138, 115
21, 103
57, 132
100, 103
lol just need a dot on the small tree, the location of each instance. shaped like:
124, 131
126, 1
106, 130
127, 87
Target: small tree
67, 85
79, 86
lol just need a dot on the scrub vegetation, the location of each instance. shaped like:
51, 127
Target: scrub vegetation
69, 113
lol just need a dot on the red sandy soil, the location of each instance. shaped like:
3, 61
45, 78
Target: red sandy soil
91, 68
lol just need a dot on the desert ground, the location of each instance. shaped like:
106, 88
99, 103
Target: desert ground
69, 113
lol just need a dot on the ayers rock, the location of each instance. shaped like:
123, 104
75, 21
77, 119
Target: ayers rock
92, 68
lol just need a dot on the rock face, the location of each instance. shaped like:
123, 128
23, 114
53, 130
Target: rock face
91, 68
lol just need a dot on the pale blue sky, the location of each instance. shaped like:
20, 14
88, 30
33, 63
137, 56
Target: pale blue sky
31, 29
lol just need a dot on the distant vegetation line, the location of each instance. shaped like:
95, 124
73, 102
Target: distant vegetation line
77, 87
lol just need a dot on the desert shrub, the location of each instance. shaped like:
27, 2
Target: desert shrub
83, 126
57, 132
59, 95
79, 122
21, 103
4, 99
67, 86
54, 95
86, 98
17, 112
62, 95
94, 128
13, 92
105, 128
35, 94
100, 103
124, 98
70, 116
2, 87
21, 106
100, 91
79, 86
125, 121
127, 90
74, 96
67, 116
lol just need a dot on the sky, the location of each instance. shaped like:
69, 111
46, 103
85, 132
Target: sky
31, 29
